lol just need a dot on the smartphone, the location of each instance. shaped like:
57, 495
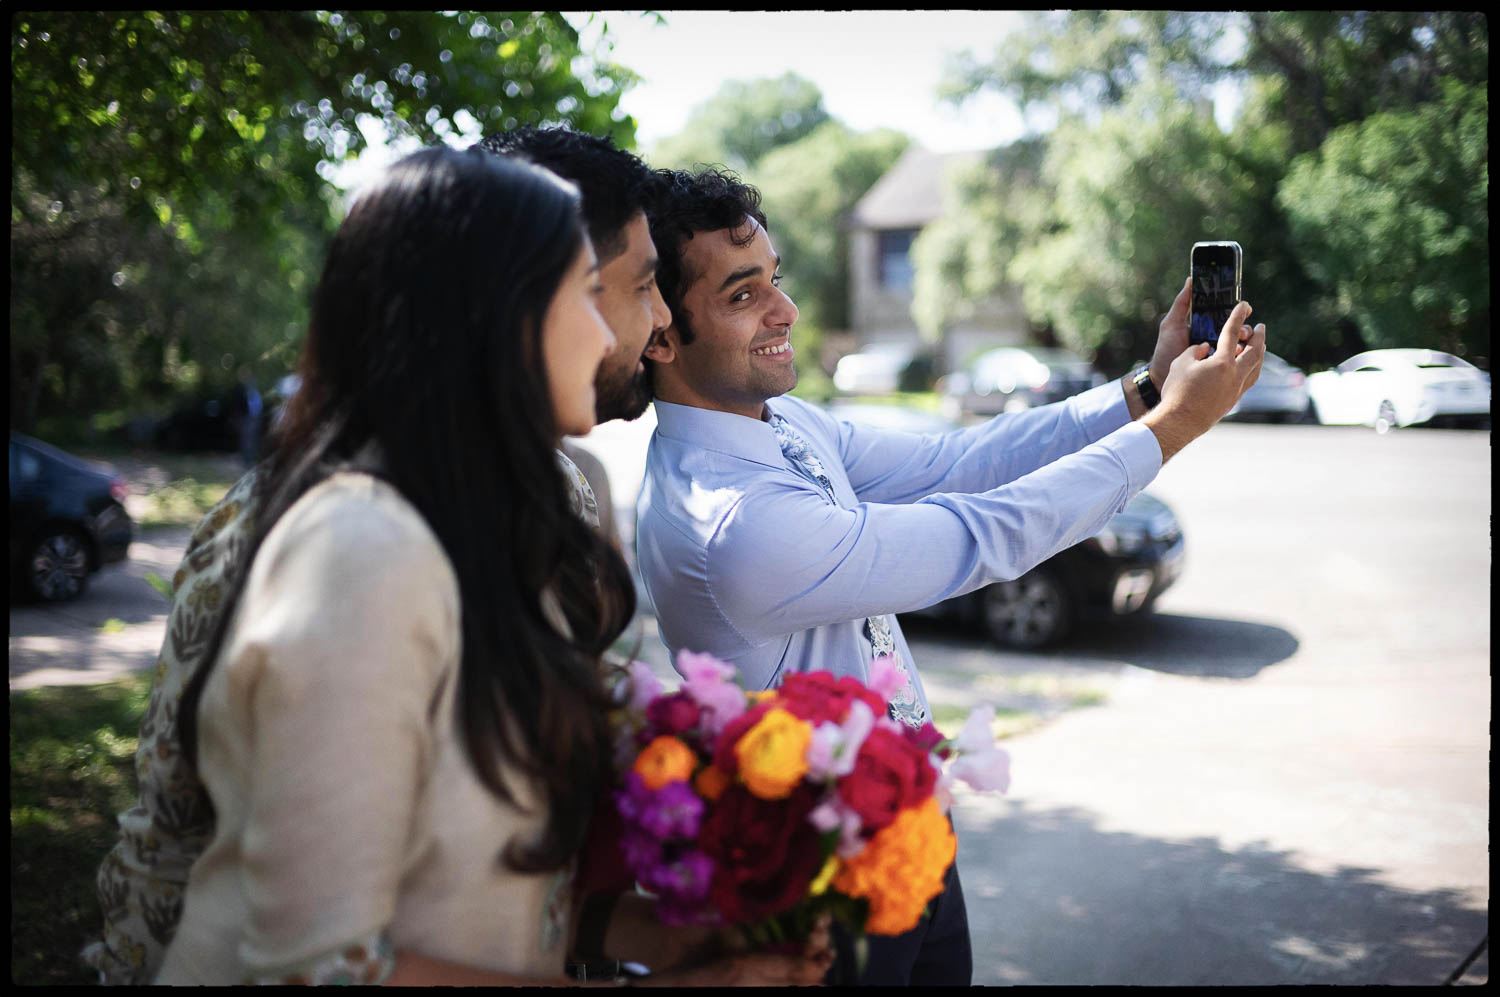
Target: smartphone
1216, 270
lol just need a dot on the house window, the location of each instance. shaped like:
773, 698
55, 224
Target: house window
894, 249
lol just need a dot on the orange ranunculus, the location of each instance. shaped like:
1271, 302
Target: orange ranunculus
902, 868
665, 760
756, 698
711, 783
772, 755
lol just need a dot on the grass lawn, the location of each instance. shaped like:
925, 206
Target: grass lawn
72, 754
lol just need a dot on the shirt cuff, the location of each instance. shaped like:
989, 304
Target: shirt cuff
1139, 451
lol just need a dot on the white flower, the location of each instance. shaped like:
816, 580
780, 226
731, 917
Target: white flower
835, 746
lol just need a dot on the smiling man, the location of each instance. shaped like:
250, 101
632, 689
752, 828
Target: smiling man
780, 539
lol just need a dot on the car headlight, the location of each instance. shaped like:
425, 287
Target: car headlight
1121, 538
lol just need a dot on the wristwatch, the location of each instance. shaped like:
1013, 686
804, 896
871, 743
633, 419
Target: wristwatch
1146, 386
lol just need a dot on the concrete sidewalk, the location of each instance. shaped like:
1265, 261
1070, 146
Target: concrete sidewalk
1174, 837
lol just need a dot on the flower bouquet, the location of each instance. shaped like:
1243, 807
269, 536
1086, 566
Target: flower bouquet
762, 809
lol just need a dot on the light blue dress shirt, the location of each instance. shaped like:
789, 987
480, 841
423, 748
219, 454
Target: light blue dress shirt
747, 559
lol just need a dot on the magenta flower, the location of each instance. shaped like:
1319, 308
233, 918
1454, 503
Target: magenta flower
673, 714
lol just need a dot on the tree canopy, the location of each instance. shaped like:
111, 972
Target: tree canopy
1355, 176
170, 191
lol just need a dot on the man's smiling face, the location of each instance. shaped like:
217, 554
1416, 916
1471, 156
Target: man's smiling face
741, 353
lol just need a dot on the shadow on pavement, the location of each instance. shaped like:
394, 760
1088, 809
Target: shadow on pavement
1188, 645
1162, 642
1055, 899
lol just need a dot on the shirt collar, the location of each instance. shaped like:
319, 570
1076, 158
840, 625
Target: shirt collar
723, 432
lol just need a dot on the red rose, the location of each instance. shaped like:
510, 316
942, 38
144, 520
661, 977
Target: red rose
765, 853
890, 774
673, 714
724, 758
818, 696
925, 737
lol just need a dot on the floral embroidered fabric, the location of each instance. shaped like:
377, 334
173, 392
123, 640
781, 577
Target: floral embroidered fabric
142, 880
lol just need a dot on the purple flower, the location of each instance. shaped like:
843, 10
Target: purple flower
673, 811
684, 880
632, 800
642, 851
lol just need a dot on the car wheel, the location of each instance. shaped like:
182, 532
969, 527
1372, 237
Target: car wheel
1031, 611
58, 568
1385, 418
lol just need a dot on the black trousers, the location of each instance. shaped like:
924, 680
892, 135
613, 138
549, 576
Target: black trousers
935, 953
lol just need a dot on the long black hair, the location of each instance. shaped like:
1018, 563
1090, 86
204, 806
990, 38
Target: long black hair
425, 338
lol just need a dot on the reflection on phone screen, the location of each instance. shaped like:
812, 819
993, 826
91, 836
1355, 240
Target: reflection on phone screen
1213, 299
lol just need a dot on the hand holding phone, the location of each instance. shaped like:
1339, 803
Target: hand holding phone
1216, 270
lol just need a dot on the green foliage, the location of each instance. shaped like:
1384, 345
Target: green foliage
1392, 214
743, 122
71, 771
1132, 196
169, 196
1083, 60
1356, 178
181, 502
1317, 70
809, 186
990, 208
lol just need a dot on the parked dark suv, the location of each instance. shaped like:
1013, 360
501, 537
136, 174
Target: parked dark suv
67, 519
1118, 572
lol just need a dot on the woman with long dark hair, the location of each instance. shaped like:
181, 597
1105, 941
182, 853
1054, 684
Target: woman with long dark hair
400, 717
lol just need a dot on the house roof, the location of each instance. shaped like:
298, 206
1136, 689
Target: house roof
910, 194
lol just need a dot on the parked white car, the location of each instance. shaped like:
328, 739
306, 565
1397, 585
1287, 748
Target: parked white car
1278, 395
874, 370
1390, 388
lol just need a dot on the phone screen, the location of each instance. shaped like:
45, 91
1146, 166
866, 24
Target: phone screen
1216, 290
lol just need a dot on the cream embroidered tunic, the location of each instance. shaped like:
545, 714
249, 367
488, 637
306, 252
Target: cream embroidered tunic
346, 805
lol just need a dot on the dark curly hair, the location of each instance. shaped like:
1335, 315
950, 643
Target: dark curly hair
683, 204
612, 181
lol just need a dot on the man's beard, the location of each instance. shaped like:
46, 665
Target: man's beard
625, 400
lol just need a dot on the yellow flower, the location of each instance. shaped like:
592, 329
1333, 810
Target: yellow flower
664, 760
756, 698
773, 754
902, 868
821, 882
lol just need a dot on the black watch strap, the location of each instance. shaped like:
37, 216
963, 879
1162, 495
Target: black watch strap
1146, 387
